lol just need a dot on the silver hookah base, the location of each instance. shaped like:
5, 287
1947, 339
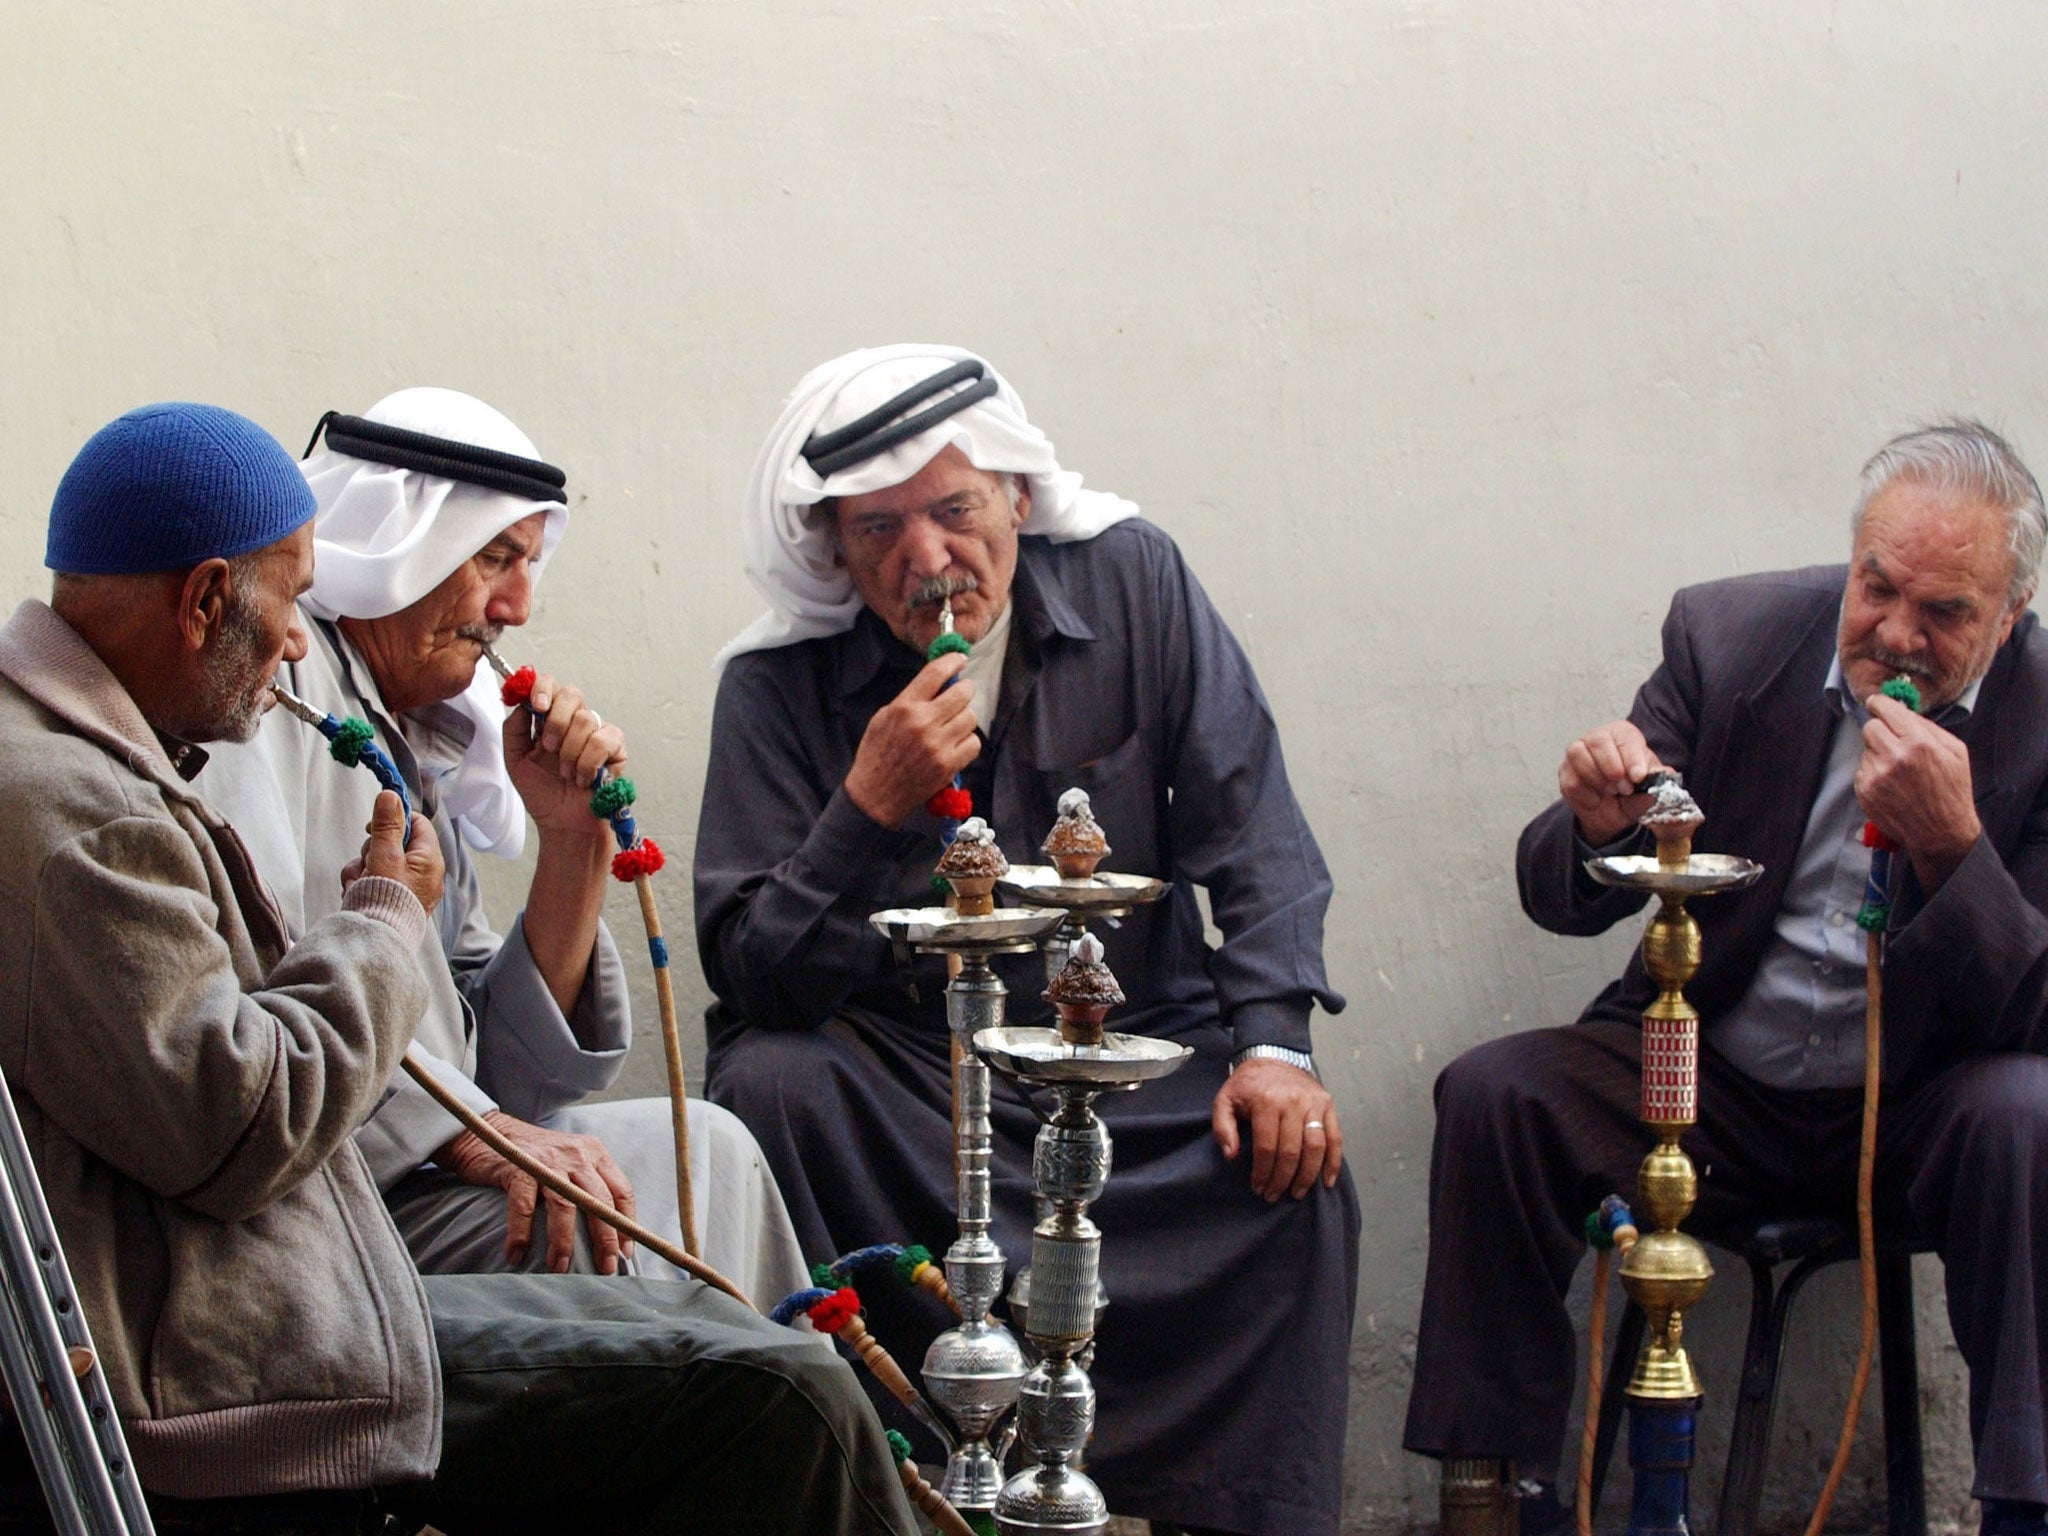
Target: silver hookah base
1055, 1412
1051, 1499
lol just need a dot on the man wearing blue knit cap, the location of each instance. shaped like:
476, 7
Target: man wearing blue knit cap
190, 1082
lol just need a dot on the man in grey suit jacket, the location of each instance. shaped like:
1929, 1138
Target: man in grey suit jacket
1767, 703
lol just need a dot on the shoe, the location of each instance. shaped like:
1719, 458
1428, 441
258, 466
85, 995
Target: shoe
1542, 1512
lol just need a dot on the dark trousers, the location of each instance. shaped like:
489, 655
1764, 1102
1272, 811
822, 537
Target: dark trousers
1534, 1129
579, 1402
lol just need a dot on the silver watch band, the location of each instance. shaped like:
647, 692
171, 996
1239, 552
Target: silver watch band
1293, 1058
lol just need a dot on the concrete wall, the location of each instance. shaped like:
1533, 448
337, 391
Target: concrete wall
1447, 337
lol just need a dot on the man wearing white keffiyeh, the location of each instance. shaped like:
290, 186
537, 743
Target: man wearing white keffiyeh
898, 477
436, 517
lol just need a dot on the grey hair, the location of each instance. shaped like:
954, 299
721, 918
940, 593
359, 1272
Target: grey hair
1963, 457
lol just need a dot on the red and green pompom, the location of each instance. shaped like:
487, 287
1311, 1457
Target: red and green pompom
643, 858
517, 688
612, 797
949, 641
1902, 689
951, 804
835, 1311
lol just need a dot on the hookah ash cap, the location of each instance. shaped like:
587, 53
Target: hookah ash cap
1083, 992
971, 864
1672, 818
1076, 843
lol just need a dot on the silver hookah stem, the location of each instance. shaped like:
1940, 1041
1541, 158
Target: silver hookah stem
293, 704
974, 1368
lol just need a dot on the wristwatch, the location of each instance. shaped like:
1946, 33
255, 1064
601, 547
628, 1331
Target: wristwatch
1300, 1059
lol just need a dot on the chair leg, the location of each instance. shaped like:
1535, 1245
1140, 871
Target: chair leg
1750, 1438
1904, 1472
1742, 1485
1628, 1344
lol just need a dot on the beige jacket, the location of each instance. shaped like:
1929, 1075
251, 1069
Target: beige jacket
188, 1090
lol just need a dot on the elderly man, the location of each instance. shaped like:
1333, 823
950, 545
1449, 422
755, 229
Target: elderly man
190, 1085
1767, 701
435, 519
895, 478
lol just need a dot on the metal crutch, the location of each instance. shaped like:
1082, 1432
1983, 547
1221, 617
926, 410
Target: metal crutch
67, 1417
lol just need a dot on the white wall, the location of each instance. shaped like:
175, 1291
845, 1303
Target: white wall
1447, 337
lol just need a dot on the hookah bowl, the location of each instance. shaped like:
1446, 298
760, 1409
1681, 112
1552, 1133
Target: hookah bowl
1077, 898
1667, 1271
974, 1369
1070, 1166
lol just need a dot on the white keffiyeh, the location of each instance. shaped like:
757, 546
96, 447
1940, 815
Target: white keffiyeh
788, 547
384, 538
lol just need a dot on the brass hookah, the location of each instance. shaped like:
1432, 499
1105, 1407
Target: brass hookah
1664, 1270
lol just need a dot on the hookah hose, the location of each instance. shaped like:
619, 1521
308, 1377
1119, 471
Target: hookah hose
611, 799
834, 1312
830, 1311
352, 744
1876, 912
1608, 1229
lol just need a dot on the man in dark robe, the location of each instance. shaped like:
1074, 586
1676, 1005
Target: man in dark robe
1097, 663
1768, 702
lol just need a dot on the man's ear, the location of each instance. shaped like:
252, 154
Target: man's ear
203, 602
1023, 508
2012, 614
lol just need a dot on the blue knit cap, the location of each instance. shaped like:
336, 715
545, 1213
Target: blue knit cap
168, 486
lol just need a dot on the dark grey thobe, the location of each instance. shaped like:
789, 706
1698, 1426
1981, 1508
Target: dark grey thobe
1221, 1364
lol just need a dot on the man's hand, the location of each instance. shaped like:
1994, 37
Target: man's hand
416, 864
1295, 1138
1598, 778
914, 744
580, 1159
1914, 782
554, 746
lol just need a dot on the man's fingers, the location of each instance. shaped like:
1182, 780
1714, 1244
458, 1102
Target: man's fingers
1315, 1148
932, 680
1287, 1154
520, 1193
1333, 1158
561, 1233
1265, 1147
1223, 1125
604, 747
387, 818
560, 717
604, 1237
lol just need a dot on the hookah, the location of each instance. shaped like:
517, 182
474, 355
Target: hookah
974, 1369
1070, 1162
1672, 1274
1664, 1270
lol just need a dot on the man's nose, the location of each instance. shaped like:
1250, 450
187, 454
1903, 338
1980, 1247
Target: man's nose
924, 548
511, 601
1897, 632
295, 637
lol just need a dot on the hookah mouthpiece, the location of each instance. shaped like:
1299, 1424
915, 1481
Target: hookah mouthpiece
351, 743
